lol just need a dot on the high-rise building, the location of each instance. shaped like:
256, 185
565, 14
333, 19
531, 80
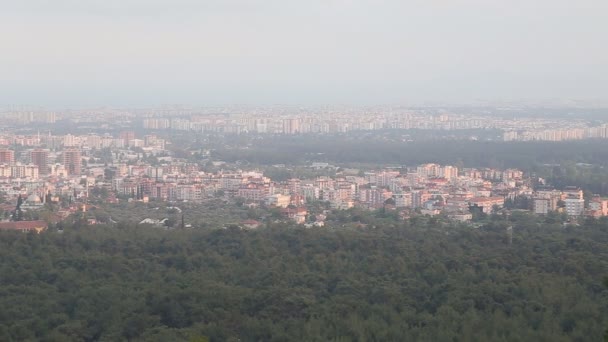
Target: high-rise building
69, 140
428, 170
127, 136
7, 156
448, 172
94, 141
291, 126
72, 160
40, 158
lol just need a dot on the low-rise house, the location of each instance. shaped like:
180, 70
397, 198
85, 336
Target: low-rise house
154, 222
25, 226
250, 224
487, 203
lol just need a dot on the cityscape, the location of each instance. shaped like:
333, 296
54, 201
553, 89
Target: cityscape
68, 169
317, 171
511, 125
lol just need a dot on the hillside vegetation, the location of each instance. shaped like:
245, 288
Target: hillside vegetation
405, 282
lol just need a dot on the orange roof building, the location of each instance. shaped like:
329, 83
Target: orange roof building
24, 226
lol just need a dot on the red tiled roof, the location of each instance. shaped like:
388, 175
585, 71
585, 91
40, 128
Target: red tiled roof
486, 199
23, 225
7, 207
250, 222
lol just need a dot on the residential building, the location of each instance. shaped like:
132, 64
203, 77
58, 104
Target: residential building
7, 156
575, 206
40, 158
72, 160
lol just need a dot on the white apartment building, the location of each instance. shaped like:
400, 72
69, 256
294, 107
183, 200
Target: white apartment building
574, 206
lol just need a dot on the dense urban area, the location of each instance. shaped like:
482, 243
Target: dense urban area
51, 176
271, 223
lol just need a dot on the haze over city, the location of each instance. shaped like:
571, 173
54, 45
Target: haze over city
323, 170
140, 53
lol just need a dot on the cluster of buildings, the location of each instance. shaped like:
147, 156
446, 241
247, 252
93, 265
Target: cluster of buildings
570, 201
560, 134
302, 123
521, 129
41, 168
297, 120
38, 163
26, 117
87, 142
429, 189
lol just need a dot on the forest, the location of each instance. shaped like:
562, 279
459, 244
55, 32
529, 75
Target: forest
379, 150
386, 281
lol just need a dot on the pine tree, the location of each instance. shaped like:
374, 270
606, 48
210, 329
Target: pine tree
18, 214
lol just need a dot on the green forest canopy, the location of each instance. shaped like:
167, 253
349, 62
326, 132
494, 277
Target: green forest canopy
406, 282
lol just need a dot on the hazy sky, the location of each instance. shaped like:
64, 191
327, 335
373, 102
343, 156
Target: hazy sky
148, 52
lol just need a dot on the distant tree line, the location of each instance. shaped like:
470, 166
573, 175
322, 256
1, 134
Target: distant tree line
578, 163
344, 150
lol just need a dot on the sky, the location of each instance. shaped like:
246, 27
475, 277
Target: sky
362, 52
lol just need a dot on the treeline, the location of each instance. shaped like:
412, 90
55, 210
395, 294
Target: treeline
560, 163
345, 150
412, 281
591, 178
